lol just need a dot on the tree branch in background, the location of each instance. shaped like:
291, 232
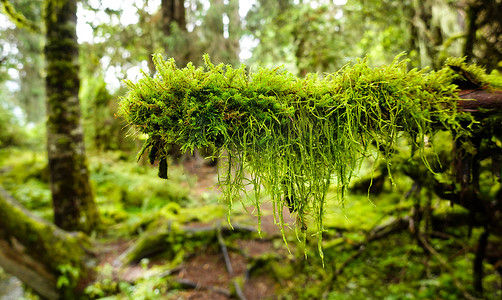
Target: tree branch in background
228, 264
17, 18
444, 263
377, 233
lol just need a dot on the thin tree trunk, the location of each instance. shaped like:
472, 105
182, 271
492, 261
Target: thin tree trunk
483, 44
478, 261
214, 22
234, 31
472, 15
73, 201
173, 12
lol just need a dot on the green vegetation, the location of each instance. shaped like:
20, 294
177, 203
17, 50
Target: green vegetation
385, 268
379, 167
11, 133
291, 135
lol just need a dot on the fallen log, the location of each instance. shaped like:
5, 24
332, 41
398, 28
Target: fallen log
38, 253
157, 239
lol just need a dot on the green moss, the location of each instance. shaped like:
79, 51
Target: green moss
294, 136
468, 75
17, 18
42, 240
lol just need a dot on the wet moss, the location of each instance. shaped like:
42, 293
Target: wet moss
295, 136
41, 240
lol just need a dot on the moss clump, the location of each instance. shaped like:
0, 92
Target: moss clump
467, 76
294, 136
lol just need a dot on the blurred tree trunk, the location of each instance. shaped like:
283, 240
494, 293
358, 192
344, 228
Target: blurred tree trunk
427, 37
174, 25
31, 92
173, 12
37, 252
73, 201
27, 59
234, 30
224, 27
483, 43
214, 24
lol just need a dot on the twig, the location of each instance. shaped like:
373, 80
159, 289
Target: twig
429, 249
224, 251
195, 285
169, 272
228, 264
378, 232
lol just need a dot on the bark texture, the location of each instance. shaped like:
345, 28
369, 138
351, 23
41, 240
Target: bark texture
73, 201
480, 99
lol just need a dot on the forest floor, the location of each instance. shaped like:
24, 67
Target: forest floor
205, 274
170, 239
228, 271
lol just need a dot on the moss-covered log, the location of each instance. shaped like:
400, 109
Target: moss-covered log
73, 201
163, 235
37, 252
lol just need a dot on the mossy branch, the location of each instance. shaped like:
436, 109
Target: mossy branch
17, 18
294, 136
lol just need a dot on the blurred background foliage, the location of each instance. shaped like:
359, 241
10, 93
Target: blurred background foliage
117, 40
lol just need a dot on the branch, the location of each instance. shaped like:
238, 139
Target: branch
480, 99
377, 233
444, 263
17, 18
478, 260
224, 251
228, 264
32, 249
195, 285
446, 191
154, 241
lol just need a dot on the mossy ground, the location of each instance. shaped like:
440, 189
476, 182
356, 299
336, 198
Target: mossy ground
391, 268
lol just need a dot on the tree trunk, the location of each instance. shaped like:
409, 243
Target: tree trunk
224, 22
173, 12
73, 201
429, 36
234, 31
483, 44
36, 251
